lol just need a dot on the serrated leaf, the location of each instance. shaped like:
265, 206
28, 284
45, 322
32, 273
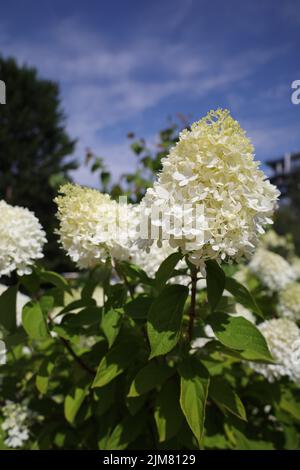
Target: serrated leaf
215, 280
242, 295
194, 385
239, 334
165, 318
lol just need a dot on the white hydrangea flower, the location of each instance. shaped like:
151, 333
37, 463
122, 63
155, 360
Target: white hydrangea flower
21, 239
295, 263
16, 423
271, 269
2, 352
283, 338
289, 302
271, 239
211, 182
151, 259
242, 275
93, 226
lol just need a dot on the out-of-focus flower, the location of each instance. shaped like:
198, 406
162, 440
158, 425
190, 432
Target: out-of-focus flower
16, 423
242, 275
21, 239
93, 226
2, 352
295, 263
210, 200
271, 269
283, 338
289, 302
271, 239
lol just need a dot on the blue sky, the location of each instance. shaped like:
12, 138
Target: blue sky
129, 65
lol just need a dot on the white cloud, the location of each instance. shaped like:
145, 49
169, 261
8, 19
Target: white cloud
104, 85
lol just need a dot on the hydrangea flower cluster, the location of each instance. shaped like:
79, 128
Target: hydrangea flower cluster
289, 302
211, 168
271, 239
17, 420
21, 239
295, 262
271, 269
283, 338
93, 226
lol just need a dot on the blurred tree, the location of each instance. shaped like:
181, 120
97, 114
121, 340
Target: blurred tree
33, 148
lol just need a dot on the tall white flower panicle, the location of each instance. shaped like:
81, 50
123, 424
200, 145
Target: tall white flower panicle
283, 338
272, 270
21, 239
93, 226
210, 199
289, 302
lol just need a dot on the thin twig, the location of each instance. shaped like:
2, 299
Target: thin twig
77, 358
73, 354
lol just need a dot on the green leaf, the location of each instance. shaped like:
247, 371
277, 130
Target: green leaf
149, 377
110, 324
8, 302
223, 395
43, 375
215, 279
104, 398
244, 443
138, 308
115, 362
165, 318
124, 433
34, 322
166, 269
242, 295
78, 304
55, 279
193, 394
239, 334
289, 404
167, 412
73, 402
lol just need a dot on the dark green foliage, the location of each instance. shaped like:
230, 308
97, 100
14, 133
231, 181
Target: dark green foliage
34, 147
